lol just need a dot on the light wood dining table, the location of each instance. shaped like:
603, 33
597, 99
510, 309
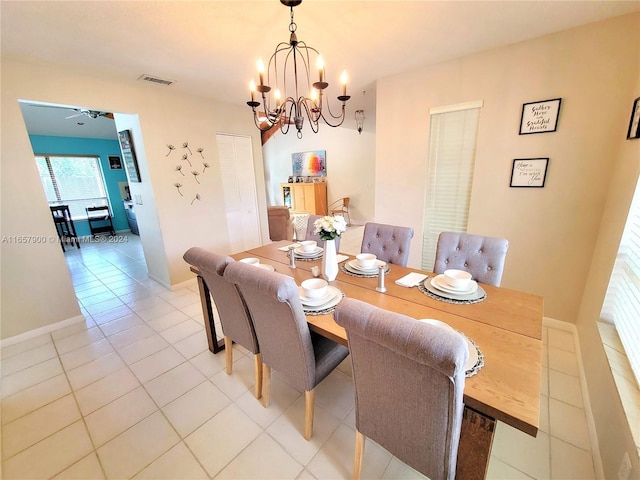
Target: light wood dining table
506, 326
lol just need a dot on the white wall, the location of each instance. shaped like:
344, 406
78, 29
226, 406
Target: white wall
36, 286
350, 166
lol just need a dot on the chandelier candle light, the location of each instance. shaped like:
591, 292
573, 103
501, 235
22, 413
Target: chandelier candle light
290, 104
329, 228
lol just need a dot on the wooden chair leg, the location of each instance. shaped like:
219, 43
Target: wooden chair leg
266, 384
357, 461
228, 354
257, 359
309, 406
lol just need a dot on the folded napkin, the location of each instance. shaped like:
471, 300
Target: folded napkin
287, 247
342, 258
411, 280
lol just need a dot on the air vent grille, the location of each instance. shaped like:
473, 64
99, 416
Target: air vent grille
152, 79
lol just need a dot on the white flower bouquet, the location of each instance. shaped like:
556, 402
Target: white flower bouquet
329, 227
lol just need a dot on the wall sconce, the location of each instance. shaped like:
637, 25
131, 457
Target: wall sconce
359, 120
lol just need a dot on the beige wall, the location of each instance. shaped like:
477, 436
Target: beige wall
605, 402
593, 69
36, 286
350, 165
556, 231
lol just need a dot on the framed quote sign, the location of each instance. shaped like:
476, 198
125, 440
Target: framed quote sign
634, 123
529, 172
540, 117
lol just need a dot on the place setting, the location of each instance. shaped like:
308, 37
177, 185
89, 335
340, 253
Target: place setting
453, 286
364, 265
256, 263
318, 297
476, 358
308, 250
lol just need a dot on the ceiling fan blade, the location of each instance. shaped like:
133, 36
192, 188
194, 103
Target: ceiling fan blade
108, 115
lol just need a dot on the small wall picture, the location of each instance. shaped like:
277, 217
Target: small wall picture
529, 172
540, 117
115, 163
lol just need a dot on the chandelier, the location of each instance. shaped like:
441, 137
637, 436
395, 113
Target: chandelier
289, 104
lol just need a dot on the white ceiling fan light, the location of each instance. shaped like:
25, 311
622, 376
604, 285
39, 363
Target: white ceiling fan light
77, 111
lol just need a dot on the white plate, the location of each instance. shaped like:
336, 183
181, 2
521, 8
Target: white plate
316, 302
473, 352
331, 303
300, 252
440, 283
354, 264
265, 266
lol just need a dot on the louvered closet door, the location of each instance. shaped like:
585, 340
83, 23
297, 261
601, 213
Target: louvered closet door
238, 182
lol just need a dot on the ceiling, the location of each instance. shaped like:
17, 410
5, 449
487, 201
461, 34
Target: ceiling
209, 48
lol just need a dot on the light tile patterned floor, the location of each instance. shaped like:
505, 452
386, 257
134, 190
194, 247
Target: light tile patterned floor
133, 392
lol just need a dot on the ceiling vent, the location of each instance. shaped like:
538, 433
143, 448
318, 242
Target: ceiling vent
152, 79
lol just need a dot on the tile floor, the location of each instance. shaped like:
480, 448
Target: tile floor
133, 392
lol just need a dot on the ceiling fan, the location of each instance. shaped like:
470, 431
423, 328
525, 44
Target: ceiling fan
89, 113
77, 112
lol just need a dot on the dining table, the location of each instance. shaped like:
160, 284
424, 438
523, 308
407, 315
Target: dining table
504, 325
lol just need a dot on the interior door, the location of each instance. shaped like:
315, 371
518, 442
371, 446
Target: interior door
238, 182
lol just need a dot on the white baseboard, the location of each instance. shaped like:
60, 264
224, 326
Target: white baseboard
5, 342
161, 282
591, 424
186, 284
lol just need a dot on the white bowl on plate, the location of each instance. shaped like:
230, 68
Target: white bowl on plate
457, 278
308, 246
314, 287
251, 261
366, 260
437, 323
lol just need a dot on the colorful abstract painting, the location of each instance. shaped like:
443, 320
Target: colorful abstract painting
310, 164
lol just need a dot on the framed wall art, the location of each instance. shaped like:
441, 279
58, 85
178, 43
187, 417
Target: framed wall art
129, 155
540, 117
634, 123
529, 172
115, 163
309, 164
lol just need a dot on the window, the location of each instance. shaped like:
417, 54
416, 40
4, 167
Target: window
72, 180
452, 152
622, 302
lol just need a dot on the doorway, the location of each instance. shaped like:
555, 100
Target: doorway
70, 136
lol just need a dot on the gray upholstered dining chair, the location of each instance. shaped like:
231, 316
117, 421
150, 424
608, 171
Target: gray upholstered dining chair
311, 235
483, 257
287, 345
409, 381
236, 322
388, 242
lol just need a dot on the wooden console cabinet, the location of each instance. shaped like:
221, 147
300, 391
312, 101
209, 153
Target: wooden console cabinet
308, 198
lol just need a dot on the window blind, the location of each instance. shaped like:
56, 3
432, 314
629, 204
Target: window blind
72, 180
452, 151
622, 301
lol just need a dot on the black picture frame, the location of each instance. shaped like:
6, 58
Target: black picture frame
115, 163
129, 155
529, 172
540, 117
634, 123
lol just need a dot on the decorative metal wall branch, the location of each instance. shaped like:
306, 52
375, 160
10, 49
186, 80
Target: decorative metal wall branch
195, 171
